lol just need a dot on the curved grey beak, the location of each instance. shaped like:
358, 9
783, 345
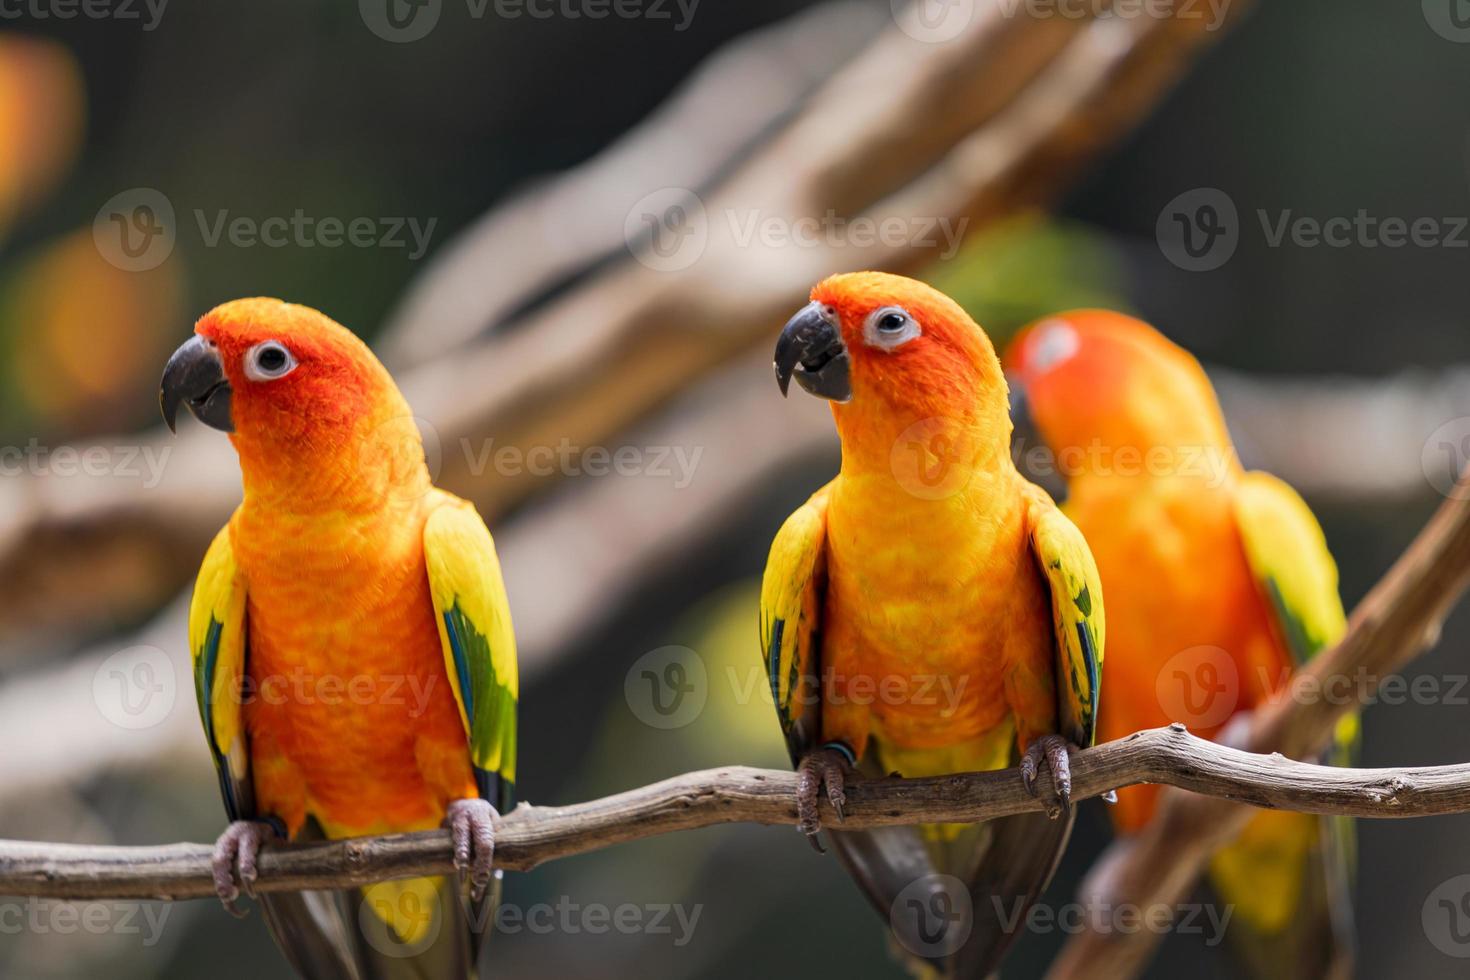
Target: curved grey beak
195, 377
811, 351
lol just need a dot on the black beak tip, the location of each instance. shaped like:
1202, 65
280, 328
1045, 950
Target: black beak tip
195, 377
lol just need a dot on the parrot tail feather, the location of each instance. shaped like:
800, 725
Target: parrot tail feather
956, 896
415, 929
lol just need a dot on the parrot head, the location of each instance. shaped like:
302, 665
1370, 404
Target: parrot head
882, 347
300, 395
1095, 378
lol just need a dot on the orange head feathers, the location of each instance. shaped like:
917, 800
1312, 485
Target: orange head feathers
1099, 379
889, 351
313, 414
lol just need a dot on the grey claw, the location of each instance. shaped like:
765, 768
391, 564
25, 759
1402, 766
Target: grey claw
472, 828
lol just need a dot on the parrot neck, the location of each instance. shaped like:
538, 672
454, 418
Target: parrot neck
378, 467
957, 458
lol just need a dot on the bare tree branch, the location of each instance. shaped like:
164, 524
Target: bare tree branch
1396, 622
532, 835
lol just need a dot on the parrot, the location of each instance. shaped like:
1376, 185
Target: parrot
352, 649
1219, 581
928, 611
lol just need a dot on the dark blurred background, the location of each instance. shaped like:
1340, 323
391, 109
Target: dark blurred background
1318, 108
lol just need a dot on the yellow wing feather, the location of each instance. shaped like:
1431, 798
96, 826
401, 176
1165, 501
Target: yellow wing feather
1077, 610
475, 631
1288, 554
790, 620
217, 646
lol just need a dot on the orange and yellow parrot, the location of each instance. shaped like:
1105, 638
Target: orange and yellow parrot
1218, 580
929, 611
353, 655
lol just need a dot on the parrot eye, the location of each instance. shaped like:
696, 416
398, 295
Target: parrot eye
268, 361
890, 326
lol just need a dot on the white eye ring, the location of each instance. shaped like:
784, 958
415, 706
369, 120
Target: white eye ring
889, 327
268, 360
1056, 341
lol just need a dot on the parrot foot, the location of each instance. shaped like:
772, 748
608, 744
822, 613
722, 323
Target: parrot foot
827, 767
1055, 750
472, 827
235, 853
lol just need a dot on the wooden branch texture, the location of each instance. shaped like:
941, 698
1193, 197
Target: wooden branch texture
532, 835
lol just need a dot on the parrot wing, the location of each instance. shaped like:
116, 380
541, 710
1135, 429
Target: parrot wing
479, 643
1291, 875
217, 647
1077, 612
792, 592
1288, 555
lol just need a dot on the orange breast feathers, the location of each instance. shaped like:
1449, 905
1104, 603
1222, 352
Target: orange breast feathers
351, 715
937, 629
1190, 637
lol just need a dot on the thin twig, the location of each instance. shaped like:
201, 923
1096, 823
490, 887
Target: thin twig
532, 835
